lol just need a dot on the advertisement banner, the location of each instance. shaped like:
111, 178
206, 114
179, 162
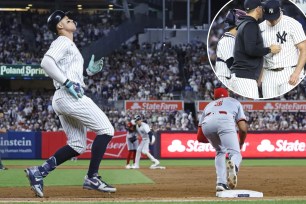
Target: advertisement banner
292, 106
257, 145
154, 105
22, 71
52, 141
20, 145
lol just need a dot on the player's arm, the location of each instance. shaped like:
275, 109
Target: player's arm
50, 67
149, 132
242, 124
230, 52
250, 42
243, 129
294, 78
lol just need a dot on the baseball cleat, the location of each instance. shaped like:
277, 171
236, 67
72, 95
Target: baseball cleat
128, 166
36, 180
3, 168
232, 179
222, 187
156, 163
95, 183
157, 167
135, 166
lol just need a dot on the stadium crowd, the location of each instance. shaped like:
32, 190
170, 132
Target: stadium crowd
133, 72
25, 35
33, 111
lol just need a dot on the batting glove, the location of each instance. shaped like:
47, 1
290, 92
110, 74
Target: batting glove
94, 67
74, 89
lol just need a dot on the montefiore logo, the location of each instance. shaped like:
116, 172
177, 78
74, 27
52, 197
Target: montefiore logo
191, 146
281, 146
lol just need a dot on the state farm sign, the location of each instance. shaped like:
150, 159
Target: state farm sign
154, 105
293, 106
257, 145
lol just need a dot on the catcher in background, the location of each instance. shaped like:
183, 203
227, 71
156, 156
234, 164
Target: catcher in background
225, 47
218, 122
132, 143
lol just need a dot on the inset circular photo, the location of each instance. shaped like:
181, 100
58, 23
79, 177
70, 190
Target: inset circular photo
257, 48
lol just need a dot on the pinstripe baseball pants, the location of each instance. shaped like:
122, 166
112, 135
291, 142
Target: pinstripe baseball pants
78, 114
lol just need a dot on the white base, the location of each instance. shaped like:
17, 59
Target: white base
239, 194
157, 167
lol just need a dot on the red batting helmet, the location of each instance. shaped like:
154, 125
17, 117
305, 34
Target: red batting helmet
220, 93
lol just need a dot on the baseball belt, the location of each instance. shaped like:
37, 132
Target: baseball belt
220, 60
279, 69
220, 112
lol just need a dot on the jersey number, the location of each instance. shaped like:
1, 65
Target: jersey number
219, 103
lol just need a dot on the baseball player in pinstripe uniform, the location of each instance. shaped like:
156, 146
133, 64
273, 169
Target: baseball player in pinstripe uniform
282, 72
249, 52
132, 143
148, 138
218, 122
64, 64
225, 47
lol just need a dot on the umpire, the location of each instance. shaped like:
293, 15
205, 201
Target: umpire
249, 52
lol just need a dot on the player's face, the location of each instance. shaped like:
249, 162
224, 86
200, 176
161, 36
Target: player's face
138, 122
273, 22
68, 24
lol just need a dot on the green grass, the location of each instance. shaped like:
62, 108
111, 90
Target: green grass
73, 177
183, 162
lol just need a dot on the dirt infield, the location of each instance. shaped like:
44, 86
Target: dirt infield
180, 183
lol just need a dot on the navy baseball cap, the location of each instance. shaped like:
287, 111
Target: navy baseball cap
251, 4
271, 10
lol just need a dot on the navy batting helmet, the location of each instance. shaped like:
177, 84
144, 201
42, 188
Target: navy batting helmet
220, 93
232, 18
137, 118
55, 18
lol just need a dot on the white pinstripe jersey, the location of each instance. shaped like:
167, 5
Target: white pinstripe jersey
225, 50
68, 59
287, 33
227, 104
143, 130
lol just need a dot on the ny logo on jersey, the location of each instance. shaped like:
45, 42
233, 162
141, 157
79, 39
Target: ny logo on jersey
281, 38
